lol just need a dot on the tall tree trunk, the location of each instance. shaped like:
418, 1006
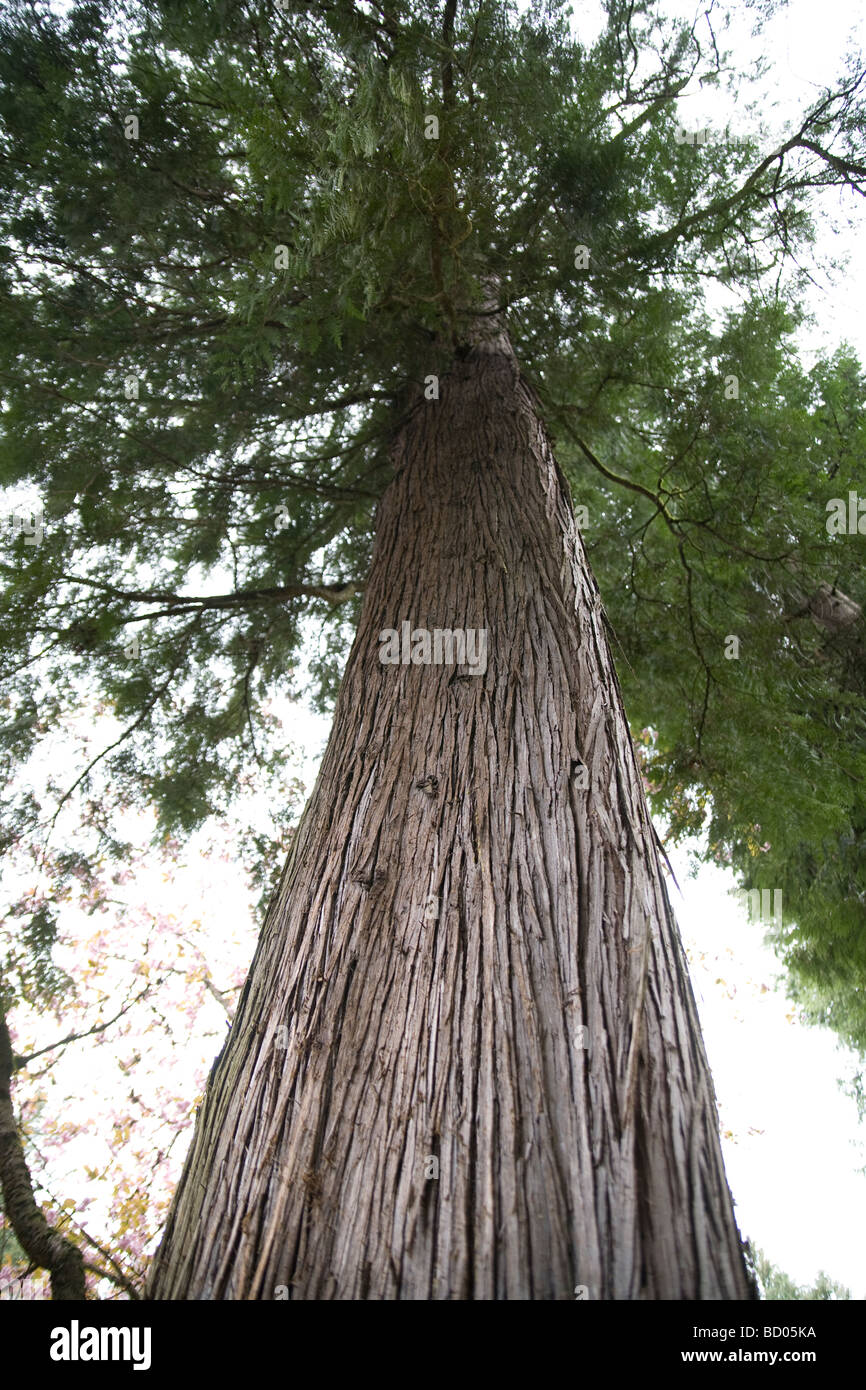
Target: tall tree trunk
466, 1063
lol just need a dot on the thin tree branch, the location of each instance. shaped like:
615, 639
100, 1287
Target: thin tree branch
188, 603
19, 1062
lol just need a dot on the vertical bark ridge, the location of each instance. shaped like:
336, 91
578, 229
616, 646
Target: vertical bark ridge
473, 954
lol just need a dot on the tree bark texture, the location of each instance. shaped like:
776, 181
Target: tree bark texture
466, 1063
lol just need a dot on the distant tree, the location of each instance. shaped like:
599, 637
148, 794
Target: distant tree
774, 1284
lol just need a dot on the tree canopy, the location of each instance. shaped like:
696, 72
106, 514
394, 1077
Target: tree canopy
778, 1286
238, 237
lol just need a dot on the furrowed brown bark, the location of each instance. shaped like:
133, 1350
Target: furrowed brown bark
471, 956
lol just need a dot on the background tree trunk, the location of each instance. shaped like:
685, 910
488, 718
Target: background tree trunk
471, 955
46, 1247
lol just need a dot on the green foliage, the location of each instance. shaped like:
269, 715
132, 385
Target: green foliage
214, 327
775, 1284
